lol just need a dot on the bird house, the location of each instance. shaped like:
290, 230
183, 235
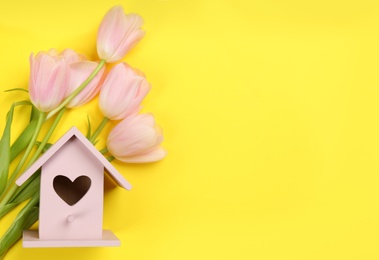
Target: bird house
71, 195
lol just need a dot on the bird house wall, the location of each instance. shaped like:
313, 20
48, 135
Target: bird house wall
67, 209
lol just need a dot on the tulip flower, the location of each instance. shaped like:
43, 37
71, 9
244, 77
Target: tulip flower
48, 82
122, 92
118, 33
136, 139
79, 72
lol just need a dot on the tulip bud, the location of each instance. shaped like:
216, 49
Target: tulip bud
136, 139
118, 33
49, 76
122, 92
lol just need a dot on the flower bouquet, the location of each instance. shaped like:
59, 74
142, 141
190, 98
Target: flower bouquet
65, 80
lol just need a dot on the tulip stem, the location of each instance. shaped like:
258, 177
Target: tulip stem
99, 129
78, 90
47, 137
110, 158
104, 151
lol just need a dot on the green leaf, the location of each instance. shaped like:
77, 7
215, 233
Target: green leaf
23, 103
5, 151
24, 220
26, 192
23, 193
14, 233
34, 114
16, 89
34, 201
88, 135
7, 208
23, 140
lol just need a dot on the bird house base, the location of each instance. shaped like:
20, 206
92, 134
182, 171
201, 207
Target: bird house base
31, 240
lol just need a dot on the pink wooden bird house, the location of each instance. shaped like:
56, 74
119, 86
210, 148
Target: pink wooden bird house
71, 196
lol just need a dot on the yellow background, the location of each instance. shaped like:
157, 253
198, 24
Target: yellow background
270, 115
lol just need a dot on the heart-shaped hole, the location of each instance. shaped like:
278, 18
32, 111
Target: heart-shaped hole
71, 191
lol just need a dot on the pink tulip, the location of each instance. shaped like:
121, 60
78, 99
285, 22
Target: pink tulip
122, 92
136, 139
118, 33
79, 72
49, 76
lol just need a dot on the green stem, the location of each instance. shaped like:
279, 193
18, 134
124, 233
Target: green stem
47, 137
110, 158
41, 119
77, 91
99, 129
104, 151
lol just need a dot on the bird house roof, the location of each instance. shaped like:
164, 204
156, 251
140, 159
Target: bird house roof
74, 132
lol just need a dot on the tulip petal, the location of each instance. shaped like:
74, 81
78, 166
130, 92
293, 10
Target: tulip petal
48, 80
113, 92
53, 92
72, 56
111, 32
122, 92
80, 71
118, 33
131, 37
136, 139
134, 106
152, 156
